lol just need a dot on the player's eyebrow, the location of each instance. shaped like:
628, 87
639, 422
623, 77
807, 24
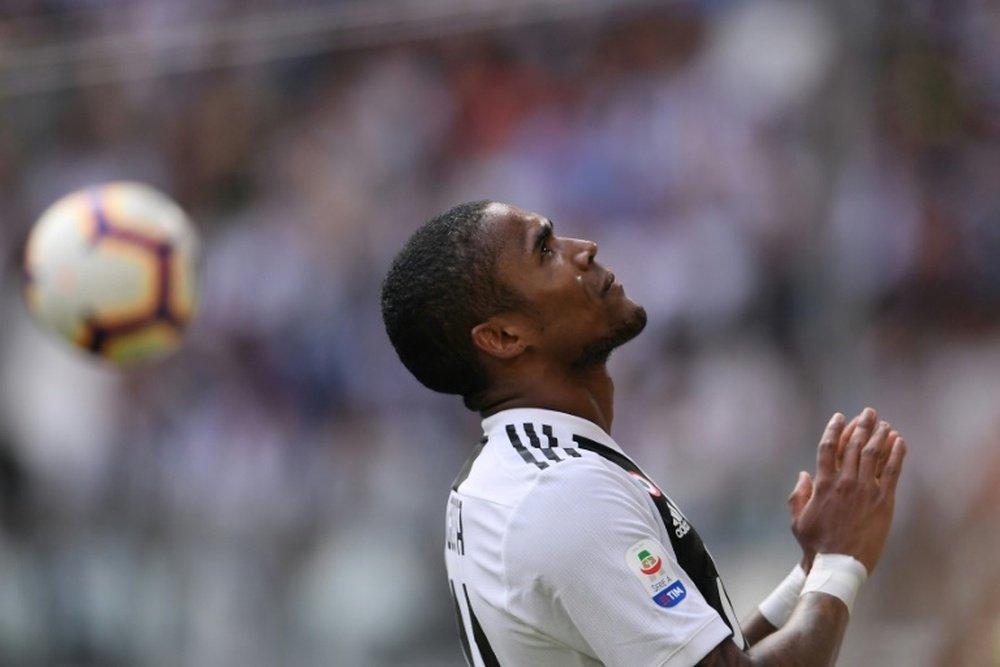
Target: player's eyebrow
542, 234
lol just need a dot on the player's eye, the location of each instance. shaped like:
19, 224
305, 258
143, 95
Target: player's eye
545, 249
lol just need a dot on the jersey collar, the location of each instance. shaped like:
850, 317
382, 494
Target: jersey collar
561, 420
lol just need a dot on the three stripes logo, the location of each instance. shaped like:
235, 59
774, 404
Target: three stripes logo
541, 450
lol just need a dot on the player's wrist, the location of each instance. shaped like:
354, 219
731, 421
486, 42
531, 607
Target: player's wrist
838, 575
777, 607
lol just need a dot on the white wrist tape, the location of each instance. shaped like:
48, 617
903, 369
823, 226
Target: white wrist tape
778, 606
837, 575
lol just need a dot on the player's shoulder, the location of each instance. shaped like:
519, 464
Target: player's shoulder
543, 443
538, 452
509, 465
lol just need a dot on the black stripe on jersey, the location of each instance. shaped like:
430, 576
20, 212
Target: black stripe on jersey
547, 432
462, 634
691, 553
482, 643
464, 472
529, 429
515, 440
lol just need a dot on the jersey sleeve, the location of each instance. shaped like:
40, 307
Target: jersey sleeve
588, 567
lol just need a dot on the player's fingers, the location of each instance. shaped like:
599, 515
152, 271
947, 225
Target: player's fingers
845, 437
872, 451
826, 453
890, 442
893, 467
800, 494
863, 431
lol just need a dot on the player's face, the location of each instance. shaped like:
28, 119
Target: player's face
579, 310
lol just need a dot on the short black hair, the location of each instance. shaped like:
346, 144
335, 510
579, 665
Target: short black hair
440, 285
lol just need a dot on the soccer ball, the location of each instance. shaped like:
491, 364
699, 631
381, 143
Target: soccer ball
112, 269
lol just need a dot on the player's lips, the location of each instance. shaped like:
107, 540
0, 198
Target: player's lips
609, 282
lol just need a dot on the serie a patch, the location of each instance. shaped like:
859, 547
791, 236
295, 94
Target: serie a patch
648, 561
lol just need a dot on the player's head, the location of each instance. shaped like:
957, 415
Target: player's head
486, 288
443, 283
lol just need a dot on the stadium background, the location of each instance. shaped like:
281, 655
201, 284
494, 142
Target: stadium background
804, 197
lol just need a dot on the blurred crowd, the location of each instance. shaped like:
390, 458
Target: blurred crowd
803, 197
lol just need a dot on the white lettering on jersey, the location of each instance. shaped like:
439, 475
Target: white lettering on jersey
681, 526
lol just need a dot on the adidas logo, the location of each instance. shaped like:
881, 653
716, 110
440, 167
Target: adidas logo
681, 526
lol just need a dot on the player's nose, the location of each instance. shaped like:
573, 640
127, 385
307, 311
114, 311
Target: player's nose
584, 252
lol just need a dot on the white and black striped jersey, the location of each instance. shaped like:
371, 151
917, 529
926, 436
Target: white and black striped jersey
561, 552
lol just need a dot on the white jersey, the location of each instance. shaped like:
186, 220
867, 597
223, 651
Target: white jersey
561, 552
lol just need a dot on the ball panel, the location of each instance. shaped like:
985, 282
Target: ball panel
54, 260
69, 213
139, 208
148, 344
54, 311
120, 281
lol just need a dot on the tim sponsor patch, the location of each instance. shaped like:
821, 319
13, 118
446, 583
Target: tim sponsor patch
648, 560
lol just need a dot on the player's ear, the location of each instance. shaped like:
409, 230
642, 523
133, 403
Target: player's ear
499, 337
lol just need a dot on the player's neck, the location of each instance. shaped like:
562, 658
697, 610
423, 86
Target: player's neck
588, 394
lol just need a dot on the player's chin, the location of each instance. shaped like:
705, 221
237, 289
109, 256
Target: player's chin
636, 320
622, 329
629, 323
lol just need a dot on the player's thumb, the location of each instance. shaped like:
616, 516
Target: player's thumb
801, 493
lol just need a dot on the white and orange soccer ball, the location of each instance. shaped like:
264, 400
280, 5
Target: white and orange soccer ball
112, 269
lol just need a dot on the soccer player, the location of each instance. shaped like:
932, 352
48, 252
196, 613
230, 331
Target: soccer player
560, 550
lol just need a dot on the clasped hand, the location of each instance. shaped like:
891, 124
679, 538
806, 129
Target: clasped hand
848, 507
